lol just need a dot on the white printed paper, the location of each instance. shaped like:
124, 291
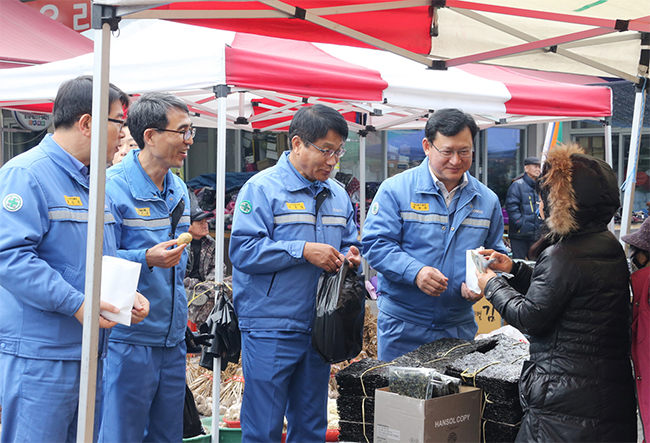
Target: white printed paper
470, 274
119, 284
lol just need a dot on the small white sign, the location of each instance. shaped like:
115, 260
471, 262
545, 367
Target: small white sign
33, 122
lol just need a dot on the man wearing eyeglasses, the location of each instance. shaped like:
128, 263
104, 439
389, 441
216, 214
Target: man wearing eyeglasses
145, 367
291, 222
420, 224
43, 234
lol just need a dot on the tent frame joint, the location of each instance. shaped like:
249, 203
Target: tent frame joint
438, 65
104, 14
622, 25
300, 13
221, 91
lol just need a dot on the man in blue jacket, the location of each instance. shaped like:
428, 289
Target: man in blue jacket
420, 224
43, 232
145, 366
291, 222
522, 206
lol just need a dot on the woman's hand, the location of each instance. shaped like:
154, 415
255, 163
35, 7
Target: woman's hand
498, 261
485, 277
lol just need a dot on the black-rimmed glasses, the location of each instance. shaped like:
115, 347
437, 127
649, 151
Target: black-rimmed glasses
449, 153
328, 152
120, 123
187, 133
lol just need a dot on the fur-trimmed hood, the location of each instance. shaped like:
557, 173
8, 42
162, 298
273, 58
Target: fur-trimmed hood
578, 190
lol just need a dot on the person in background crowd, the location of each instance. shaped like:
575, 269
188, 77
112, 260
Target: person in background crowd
43, 234
522, 208
420, 224
145, 366
291, 223
200, 272
575, 307
639, 242
127, 144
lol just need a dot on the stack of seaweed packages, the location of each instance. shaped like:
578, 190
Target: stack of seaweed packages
356, 400
492, 364
496, 370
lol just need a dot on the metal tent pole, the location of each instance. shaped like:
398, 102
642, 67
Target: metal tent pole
632, 160
103, 21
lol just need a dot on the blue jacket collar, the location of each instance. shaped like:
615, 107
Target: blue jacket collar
294, 181
424, 182
140, 184
63, 159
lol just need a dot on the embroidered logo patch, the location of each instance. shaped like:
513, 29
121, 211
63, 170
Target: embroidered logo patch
12, 202
420, 206
375, 208
73, 201
245, 207
295, 206
145, 212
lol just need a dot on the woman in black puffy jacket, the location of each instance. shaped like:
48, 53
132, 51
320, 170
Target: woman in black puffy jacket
575, 306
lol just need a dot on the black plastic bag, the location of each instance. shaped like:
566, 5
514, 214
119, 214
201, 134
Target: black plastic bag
191, 419
223, 324
340, 311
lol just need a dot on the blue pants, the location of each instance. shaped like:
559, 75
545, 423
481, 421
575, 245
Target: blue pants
144, 394
520, 247
284, 376
396, 337
40, 399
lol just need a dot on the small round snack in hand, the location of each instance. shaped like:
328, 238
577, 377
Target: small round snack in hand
184, 239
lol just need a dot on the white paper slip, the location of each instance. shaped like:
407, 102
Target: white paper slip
471, 257
119, 283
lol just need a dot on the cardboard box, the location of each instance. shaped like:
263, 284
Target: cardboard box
265, 163
487, 318
454, 418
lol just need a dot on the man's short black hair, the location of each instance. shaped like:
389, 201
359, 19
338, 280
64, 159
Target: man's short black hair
75, 98
150, 111
449, 122
312, 123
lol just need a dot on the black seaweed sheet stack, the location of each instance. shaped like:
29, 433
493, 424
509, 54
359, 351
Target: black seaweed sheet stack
356, 401
356, 407
496, 371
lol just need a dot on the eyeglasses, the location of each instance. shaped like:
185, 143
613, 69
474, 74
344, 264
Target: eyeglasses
187, 134
449, 153
120, 123
328, 152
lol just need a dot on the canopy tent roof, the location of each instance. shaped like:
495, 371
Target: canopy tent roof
280, 75
28, 37
602, 38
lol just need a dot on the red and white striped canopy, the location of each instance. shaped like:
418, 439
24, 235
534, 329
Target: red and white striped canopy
280, 75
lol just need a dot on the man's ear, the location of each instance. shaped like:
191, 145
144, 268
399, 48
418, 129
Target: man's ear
148, 136
425, 146
296, 143
85, 124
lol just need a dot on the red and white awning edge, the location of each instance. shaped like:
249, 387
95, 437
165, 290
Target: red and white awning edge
392, 91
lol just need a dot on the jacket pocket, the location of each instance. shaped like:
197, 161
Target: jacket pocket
530, 386
268, 293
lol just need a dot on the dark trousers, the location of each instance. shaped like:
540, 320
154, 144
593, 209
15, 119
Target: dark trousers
520, 247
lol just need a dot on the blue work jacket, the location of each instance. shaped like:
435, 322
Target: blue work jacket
274, 286
43, 233
409, 226
143, 221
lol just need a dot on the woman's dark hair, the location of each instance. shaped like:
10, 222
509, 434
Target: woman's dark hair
75, 98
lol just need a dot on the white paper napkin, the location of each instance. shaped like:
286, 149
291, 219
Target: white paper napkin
119, 284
